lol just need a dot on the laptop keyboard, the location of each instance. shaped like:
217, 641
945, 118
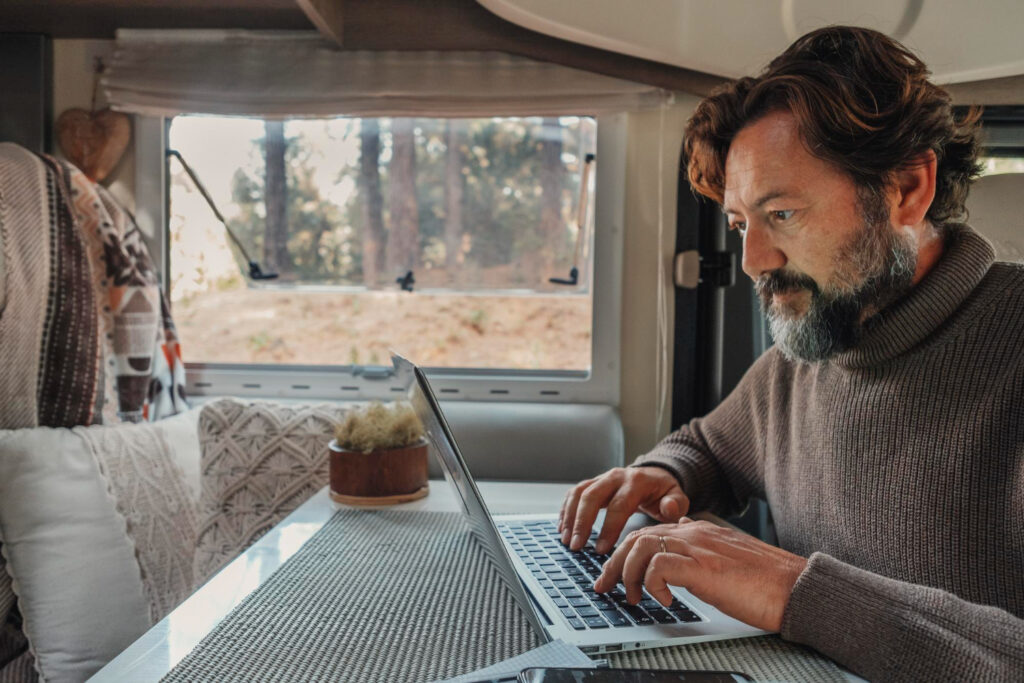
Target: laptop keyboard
568, 578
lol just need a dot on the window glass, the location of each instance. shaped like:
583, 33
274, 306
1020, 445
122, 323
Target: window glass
992, 165
484, 214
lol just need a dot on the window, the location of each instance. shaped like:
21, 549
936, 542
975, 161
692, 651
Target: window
489, 222
1003, 140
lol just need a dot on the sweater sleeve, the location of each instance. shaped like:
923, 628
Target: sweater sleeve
885, 629
719, 459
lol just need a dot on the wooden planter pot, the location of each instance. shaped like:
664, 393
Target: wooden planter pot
384, 477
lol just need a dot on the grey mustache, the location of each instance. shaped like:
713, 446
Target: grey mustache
778, 282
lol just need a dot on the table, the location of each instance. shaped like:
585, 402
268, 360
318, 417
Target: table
161, 648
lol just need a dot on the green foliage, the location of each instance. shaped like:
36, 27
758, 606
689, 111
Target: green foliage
502, 203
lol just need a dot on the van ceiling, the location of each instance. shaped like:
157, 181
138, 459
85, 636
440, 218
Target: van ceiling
399, 25
366, 25
101, 18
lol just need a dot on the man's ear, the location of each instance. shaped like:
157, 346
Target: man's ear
915, 190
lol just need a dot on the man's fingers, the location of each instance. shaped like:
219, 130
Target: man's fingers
670, 508
667, 568
571, 494
620, 507
569, 508
611, 572
595, 497
635, 566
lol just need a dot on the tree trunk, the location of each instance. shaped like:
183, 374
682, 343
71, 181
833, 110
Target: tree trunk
455, 138
403, 228
551, 182
373, 204
275, 196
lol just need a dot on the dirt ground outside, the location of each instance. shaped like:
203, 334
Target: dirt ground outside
538, 332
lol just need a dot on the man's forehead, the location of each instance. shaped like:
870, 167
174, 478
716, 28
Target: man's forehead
768, 160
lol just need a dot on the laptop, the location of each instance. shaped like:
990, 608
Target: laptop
552, 585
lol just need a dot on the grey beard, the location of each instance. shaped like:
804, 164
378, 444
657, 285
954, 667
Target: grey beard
880, 260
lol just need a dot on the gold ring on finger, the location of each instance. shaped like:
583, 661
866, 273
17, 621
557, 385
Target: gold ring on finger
661, 540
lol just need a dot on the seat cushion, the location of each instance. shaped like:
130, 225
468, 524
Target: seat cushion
260, 461
97, 532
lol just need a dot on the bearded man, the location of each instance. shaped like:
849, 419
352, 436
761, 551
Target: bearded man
885, 428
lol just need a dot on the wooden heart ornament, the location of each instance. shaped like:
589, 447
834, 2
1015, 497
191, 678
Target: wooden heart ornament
94, 141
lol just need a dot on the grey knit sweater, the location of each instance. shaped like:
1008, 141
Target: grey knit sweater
898, 468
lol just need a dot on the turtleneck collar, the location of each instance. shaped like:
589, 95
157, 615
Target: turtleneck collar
965, 260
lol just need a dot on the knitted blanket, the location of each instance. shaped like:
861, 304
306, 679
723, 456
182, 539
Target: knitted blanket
48, 325
86, 332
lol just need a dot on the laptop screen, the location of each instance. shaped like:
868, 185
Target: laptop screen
425, 403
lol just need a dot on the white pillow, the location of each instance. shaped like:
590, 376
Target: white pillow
97, 527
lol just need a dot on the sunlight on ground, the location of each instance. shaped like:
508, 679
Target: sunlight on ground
241, 325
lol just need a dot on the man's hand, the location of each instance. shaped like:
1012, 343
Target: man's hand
623, 490
740, 575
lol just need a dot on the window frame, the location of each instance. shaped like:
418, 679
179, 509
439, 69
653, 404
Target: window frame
364, 382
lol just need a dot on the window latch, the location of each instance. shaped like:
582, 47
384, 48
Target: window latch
374, 372
574, 278
717, 269
406, 281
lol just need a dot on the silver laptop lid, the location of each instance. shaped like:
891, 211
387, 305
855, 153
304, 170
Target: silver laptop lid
428, 409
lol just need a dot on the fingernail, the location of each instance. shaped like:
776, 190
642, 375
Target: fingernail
565, 537
577, 542
602, 547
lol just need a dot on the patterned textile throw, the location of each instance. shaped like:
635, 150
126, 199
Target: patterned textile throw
48, 324
90, 333
142, 364
260, 461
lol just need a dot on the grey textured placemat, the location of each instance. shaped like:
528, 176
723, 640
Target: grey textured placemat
407, 596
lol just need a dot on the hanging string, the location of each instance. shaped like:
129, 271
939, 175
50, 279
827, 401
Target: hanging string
661, 370
97, 67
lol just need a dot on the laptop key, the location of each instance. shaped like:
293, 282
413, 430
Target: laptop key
615, 619
637, 615
685, 616
560, 602
579, 602
553, 592
570, 593
568, 611
596, 622
661, 616
576, 623
587, 611
605, 606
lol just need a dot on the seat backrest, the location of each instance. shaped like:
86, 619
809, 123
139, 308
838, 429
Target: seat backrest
996, 206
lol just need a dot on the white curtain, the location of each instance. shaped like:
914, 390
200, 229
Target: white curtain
296, 74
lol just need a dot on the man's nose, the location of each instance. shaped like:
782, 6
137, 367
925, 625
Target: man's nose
760, 255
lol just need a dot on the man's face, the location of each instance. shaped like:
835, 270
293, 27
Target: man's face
823, 259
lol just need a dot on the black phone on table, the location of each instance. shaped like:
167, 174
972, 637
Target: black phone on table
573, 675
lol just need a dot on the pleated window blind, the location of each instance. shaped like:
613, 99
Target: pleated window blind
297, 74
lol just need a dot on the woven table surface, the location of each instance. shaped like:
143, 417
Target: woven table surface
389, 595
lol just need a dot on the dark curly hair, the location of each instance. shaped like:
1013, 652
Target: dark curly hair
862, 101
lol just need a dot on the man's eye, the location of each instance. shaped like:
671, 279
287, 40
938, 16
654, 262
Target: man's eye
738, 225
782, 215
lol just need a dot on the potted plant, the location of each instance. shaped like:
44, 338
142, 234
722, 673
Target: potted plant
379, 456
